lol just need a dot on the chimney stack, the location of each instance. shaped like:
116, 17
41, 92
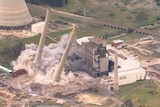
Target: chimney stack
43, 37
58, 72
116, 86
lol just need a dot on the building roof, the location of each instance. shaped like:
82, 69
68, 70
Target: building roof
38, 24
96, 40
83, 40
118, 41
124, 61
136, 70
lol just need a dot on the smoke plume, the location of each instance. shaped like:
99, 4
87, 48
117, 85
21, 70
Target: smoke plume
44, 70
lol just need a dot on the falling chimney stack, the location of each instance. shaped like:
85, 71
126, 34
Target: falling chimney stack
59, 70
42, 39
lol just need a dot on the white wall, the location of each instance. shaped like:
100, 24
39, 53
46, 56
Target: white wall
37, 27
130, 76
128, 64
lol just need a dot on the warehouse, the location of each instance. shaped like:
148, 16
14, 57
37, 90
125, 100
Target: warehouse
129, 69
129, 76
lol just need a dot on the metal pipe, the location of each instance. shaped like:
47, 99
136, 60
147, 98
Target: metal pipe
43, 36
5, 69
58, 72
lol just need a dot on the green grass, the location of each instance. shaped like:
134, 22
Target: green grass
97, 30
108, 103
105, 10
139, 93
110, 11
135, 35
59, 34
36, 11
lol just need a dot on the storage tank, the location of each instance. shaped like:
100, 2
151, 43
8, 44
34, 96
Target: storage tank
14, 15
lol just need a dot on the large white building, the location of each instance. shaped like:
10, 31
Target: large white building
129, 69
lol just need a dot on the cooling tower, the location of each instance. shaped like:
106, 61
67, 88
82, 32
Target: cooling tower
14, 14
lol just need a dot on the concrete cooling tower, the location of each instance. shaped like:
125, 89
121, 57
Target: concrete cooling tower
14, 15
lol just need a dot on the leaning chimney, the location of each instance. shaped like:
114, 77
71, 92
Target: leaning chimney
43, 37
58, 72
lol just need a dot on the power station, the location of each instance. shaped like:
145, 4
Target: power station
101, 59
14, 15
63, 71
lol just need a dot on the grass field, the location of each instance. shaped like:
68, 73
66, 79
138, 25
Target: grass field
141, 93
109, 11
115, 11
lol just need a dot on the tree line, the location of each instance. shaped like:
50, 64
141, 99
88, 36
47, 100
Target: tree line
54, 3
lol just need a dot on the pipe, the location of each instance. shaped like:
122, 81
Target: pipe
58, 72
5, 69
116, 86
43, 36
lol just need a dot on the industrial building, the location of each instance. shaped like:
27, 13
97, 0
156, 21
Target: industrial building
118, 43
37, 27
129, 76
14, 15
99, 60
129, 69
95, 55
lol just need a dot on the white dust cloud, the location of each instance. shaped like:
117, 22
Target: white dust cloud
43, 71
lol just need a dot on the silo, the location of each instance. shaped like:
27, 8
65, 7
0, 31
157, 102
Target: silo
14, 15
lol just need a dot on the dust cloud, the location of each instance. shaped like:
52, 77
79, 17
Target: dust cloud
43, 71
